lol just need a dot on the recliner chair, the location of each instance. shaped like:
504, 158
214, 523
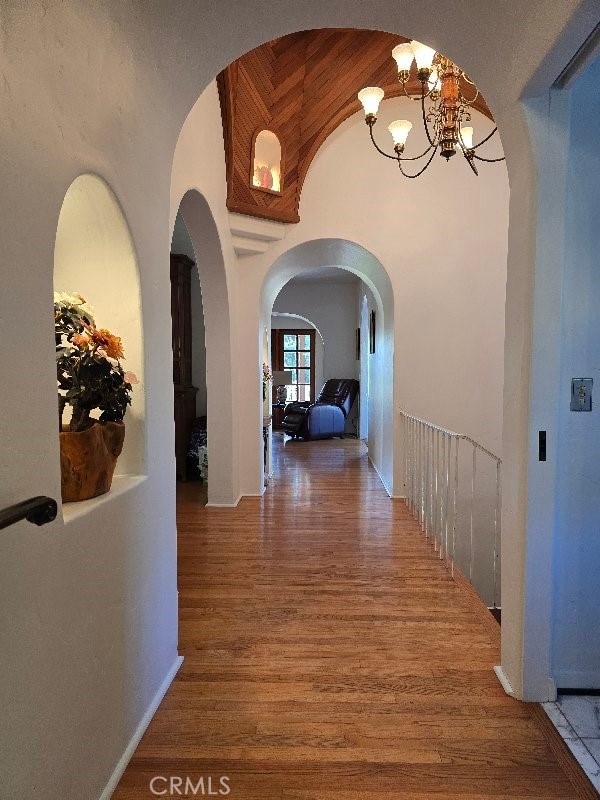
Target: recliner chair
326, 417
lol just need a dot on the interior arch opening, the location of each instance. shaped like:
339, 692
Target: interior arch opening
304, 281
218, 398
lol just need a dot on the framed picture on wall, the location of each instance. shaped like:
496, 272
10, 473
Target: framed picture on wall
358, 344
372, 332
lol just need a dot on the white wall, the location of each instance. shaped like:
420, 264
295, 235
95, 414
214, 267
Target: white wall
443, 242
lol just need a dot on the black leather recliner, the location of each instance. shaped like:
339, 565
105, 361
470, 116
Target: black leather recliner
327, 416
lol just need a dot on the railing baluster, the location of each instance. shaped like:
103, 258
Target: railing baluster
496, 534
432, 480
447, 450
471, 543
454, 503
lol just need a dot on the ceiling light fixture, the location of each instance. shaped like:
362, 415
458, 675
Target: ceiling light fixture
445, 121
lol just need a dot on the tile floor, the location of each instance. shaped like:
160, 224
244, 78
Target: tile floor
577, 719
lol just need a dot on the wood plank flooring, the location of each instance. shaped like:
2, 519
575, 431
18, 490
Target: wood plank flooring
328, 654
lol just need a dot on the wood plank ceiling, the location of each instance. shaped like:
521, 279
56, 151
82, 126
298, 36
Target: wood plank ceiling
301, 87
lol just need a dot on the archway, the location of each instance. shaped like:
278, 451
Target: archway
511, 119
354, 258
204, 235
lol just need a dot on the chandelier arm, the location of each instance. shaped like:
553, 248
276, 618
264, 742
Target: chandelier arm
487, 138
488, 160
470, 163
421, 171
379, 150
416, 158
431, 142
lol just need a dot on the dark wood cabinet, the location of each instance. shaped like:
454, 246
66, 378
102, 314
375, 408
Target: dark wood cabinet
185, 392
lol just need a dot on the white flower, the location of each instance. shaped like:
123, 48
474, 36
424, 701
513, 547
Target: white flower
75, 301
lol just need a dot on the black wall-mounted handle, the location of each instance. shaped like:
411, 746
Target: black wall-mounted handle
38, 510
542, 446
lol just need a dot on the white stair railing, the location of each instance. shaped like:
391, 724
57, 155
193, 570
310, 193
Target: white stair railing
455, 500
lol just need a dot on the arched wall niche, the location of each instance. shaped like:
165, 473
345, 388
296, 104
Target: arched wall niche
94, 255
267, 170
199, 221
350, 256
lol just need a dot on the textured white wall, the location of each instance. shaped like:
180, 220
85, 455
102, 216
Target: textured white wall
443, 241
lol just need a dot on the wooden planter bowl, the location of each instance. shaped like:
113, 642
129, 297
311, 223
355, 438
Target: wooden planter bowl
88, 459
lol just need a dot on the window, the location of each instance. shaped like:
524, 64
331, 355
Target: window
294, 350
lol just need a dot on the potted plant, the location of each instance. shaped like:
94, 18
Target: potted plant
92, 382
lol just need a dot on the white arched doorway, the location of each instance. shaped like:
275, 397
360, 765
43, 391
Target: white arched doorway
354, 258
199, 221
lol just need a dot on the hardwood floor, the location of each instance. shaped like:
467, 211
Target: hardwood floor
328, 654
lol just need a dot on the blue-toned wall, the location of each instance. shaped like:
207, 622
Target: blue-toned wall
576, 567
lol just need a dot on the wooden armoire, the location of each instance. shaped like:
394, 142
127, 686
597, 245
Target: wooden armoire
185, 392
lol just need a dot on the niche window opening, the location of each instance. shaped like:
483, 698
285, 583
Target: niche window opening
266, 163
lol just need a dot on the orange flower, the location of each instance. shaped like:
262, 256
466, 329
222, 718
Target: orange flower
108, 342
80, 340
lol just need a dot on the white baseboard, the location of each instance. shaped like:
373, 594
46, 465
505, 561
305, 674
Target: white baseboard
225, 505
375, 467
139, 732
577, 679
500, 674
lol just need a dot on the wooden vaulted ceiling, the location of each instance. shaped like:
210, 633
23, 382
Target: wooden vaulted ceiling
301, 87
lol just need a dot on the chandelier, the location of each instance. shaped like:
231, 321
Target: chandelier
445, 116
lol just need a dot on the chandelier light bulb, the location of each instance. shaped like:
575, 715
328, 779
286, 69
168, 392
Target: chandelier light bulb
423, 55
370, 97
403, 56
466, 134
400, 129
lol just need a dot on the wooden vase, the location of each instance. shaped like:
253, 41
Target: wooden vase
88, 459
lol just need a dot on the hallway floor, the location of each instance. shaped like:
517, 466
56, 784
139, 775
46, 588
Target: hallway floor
328, 654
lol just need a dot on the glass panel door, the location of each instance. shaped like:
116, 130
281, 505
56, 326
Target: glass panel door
294, 352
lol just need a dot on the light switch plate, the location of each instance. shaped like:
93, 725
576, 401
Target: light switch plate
581, 394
